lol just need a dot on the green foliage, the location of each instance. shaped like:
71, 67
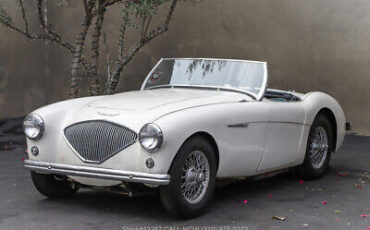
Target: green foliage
145, 8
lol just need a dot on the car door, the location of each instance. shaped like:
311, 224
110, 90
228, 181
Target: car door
284, 135
241, 137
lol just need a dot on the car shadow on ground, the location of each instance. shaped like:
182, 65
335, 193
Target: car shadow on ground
339, 200
275, 192
231, 195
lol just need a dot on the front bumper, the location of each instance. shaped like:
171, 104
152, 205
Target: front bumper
95, 172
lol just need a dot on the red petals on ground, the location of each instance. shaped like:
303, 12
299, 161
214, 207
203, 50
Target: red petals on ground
364, 215
240, 204
324, 202
358, 186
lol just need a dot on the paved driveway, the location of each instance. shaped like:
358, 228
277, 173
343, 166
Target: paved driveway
345, 191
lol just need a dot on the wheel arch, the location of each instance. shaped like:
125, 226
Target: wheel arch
209, 138
333, 123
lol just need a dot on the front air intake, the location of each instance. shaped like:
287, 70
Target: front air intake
96, 141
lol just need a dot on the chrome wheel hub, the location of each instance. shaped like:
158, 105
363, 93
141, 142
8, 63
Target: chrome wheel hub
191, 174
319, 147
195, 177
201, 177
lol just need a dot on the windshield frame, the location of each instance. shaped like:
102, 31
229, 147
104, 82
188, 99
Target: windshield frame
257, 97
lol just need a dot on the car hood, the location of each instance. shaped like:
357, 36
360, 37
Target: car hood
132, 109
164, 99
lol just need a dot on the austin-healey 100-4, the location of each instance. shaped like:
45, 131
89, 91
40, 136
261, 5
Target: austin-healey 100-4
192, 122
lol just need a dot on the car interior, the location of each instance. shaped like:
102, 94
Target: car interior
282, 96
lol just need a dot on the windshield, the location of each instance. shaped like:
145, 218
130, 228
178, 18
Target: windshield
247, 76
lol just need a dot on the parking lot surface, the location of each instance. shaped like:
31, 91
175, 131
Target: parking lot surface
340, 200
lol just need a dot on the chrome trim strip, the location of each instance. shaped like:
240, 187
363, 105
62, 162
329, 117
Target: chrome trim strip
285, 122
245, 125
150, 74
240, 125
216, 59
99, 173
262, 92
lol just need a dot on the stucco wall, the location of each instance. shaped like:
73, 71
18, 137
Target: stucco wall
316, 45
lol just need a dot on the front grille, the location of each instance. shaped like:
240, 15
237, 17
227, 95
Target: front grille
96, 141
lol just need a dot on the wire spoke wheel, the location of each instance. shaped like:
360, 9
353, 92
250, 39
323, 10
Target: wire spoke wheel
319, 147
195, 177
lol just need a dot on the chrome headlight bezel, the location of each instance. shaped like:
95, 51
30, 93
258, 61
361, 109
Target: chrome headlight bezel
151, 137
33, 121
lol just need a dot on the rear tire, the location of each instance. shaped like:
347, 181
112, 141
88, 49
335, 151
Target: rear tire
51, 187
192, 184
319, 149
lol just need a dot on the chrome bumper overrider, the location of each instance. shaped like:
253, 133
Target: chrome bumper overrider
94, 172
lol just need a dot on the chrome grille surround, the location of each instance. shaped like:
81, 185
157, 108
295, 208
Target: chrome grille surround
95, 141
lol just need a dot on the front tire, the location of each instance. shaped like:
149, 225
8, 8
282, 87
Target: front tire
319, 148
193, 178
51, 187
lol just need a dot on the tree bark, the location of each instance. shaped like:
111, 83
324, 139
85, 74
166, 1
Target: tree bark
114, 80
76, 60
93, 75
77, 48
74, 79
24, 17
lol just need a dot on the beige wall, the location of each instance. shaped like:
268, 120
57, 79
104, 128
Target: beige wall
316, 45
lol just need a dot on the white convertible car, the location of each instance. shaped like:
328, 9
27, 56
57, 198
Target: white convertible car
194, 120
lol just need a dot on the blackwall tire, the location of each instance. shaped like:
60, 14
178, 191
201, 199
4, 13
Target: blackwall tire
177, 196
51, 187
311, 168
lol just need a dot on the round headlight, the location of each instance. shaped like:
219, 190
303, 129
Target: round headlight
33, 126
151, 137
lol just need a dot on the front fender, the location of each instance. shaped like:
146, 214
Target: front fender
240, 148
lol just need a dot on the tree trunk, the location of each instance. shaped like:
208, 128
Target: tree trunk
93, 75
114, 80
121, 63
76, 59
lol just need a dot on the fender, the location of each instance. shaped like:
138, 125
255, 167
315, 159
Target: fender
316, 101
